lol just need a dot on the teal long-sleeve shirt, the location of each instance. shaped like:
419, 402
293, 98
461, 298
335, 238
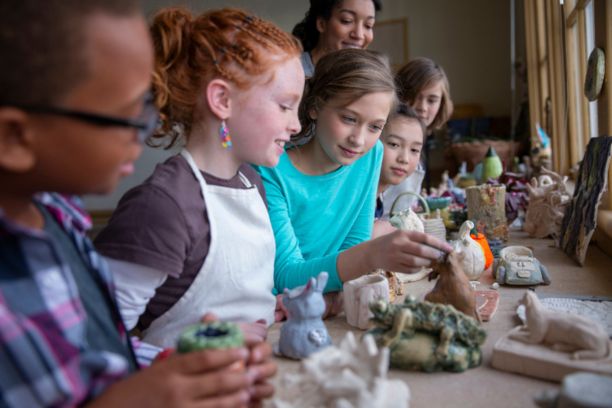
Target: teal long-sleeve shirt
316, 217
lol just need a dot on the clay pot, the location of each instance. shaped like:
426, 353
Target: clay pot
358, 294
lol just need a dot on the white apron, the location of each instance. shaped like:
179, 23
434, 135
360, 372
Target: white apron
237, 276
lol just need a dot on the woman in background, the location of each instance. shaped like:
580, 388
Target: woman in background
331, 25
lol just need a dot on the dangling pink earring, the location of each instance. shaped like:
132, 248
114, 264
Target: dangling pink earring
226, 139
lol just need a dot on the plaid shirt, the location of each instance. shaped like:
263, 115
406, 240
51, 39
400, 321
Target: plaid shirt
44, 358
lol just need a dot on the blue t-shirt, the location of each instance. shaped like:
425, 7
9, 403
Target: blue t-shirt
316, 217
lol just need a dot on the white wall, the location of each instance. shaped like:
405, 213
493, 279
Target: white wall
469, 38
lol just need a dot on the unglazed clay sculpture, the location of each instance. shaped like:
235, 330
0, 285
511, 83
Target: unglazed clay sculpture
453, 287
427, 336
350, 375
582, 337
358, 294
407, 220
304, 331
516, 265
396, 287
487, 208
473, 261
548, 199
579, 390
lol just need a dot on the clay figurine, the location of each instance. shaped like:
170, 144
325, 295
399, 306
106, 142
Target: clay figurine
473, 261
213, 335
358, 294
516, 265
304, 331
492, 166
407, 220
548, 200
350, 375
453, 287
579, 390
427, 336
566, 332
487, 208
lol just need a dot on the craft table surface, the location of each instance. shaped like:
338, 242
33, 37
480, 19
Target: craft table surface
484, 386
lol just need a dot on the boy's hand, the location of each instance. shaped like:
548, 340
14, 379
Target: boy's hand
260, 369
254, 332
202, 378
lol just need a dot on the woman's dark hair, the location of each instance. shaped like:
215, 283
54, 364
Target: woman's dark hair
405, 111
306, 30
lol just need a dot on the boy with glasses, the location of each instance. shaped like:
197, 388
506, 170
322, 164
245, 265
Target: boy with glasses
74, 109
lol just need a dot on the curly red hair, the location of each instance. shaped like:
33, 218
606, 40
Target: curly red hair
191, 51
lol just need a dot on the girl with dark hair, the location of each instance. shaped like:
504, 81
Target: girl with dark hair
423, 85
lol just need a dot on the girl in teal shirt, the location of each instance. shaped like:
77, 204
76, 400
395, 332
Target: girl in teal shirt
321, 196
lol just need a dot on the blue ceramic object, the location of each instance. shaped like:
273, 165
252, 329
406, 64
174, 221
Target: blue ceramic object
304, 331
438, 203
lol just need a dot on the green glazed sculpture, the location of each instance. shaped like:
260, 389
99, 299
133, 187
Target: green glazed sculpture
427, 336
491, 165
214, 335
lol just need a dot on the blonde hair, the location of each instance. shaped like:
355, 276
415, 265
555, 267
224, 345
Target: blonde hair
345, 76
419, 74
191, 51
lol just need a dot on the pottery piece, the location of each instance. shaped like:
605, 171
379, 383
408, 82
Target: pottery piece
353, 374
579, 390
516, 265
453, 287
358, 293
434, 225
492, 166
407, 220
487, 208
548, 200
583, 338
304, 331
473, 260
580, 218
481, 240
487, 302
427, 336
213, 335
394, 282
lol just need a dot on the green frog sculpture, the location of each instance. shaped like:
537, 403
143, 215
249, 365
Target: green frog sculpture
427, 336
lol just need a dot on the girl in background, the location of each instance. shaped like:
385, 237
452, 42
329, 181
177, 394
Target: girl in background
331, 25
195, 237
423, 85
321, 196
402, 139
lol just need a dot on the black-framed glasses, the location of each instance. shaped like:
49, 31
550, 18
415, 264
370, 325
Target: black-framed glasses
145, 123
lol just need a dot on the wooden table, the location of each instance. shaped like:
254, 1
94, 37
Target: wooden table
484, 386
